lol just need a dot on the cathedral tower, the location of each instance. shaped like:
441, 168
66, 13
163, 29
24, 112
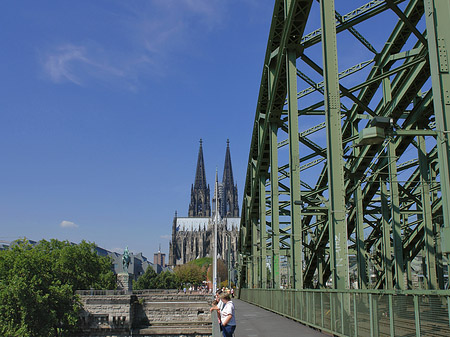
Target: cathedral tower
200, 205
229, 204
193, 236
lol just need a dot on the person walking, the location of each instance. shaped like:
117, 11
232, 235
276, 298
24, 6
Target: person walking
227, 316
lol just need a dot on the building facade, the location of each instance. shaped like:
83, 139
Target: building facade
192, 236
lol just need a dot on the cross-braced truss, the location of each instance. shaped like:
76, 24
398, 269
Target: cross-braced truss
348, 172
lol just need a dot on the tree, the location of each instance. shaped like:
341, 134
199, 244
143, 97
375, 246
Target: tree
37, 286
222, 271
150, 280
147, 280
166, 280
190, 273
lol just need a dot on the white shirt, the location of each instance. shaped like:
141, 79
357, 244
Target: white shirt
228, 309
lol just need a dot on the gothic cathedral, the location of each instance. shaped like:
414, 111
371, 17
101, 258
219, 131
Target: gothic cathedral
192, 236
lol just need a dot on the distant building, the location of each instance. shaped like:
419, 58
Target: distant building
159, 258
192, 236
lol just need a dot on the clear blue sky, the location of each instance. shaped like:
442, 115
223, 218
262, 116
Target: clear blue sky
103, 103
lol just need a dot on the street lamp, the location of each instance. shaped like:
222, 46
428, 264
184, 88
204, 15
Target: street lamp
215, 223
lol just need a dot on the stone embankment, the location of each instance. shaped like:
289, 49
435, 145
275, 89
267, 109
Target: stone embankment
162, 313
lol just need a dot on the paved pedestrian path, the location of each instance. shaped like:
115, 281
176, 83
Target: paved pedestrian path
253, 321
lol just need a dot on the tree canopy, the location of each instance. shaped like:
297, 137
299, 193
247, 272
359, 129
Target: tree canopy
37, 285
146, 281
151, 280
190, 273
166, 280
222, 271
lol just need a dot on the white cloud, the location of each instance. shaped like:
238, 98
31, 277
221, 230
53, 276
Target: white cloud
58, 64
75, 63
68, 224
166, 237
149, 35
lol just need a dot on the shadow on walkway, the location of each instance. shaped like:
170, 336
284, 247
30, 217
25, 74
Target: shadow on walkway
253, 321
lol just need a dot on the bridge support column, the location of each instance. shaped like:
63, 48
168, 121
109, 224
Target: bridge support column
255, 269
429, 249
337, 215
396, 217
294, 164
337, 219
360, 246
438, 37
274, 205
386, 229
262, 220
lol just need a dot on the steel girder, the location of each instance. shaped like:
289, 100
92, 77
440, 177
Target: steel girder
349, 172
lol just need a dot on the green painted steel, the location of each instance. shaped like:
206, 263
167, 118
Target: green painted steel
437, 20
348, 181
372, 313
396, 217
274, 210
337, 212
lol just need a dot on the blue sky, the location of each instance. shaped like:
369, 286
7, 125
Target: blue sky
104, 102
103, 105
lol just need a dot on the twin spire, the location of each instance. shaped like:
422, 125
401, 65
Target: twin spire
200, 205
226, 197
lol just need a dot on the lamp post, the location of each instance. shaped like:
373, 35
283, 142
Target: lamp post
215, 223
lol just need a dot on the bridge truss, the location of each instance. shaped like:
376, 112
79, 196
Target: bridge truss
348, 172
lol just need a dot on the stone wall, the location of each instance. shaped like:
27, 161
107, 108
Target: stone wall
106, 311
144, 313
154, 309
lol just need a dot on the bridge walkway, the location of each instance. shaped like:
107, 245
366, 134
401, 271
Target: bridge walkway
253, 321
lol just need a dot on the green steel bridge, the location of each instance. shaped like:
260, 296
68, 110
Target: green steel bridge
346, 211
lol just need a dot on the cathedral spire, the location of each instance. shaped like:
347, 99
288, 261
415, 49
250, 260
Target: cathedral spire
230, 206
227, 169
200, 176
200, 202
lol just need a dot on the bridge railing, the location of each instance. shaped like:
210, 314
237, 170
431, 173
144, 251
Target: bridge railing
215, 325
361, 312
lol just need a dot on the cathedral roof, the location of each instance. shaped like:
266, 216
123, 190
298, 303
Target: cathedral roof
195, 224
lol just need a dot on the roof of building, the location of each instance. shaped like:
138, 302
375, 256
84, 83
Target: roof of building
195, 224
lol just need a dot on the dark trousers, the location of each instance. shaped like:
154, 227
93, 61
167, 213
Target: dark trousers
228, 330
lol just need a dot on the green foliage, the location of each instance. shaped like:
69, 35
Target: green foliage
202, 262
166, 280
190, 273
37, 286
146, 281
150, 280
